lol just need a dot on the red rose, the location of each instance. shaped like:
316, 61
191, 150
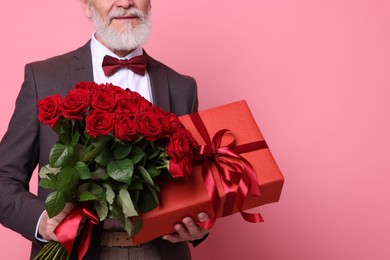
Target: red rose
148, 126
75, 104
181, 169
49, 110
179, 146
118, 91
142, 103
96, 88
179, 150
159, 114
85, 85
172, 124
125, 106
125, 128
99, 123
104, 100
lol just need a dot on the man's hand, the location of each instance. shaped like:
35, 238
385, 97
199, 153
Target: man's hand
47, 225
188, 230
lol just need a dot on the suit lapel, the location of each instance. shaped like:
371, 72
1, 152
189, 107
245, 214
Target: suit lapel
159, 84
81, 65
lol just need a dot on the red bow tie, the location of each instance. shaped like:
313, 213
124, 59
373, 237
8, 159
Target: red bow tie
136, 64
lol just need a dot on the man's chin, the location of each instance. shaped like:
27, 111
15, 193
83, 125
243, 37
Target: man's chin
124, 37
121, 43
118, 24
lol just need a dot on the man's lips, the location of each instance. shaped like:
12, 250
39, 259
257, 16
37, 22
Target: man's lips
129, 17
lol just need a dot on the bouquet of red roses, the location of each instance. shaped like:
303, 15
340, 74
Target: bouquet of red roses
113, 145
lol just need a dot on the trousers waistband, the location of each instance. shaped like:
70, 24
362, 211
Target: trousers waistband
116, 238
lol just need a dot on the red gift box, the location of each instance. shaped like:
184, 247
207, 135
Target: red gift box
227, 123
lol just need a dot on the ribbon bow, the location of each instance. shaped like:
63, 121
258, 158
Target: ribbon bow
136, 64
66, 231
237, 175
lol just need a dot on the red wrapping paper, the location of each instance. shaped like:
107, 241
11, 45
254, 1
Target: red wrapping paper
180, 199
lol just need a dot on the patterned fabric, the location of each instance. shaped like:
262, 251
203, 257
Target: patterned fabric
136, 64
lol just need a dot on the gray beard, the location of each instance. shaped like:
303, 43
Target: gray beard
130, 39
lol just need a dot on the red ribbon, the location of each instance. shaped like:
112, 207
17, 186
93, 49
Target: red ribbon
230, 172
66, 231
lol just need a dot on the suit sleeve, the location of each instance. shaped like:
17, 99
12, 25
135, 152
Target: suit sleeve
195, 103
19, 153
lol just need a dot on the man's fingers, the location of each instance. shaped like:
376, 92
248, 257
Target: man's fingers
202, 217
188, 230
182, 232
68, 208
191, 229
47, 225
173, 238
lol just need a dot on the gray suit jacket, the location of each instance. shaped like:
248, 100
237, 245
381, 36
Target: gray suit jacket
27, 143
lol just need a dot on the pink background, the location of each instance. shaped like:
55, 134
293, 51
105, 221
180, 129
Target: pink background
315, 74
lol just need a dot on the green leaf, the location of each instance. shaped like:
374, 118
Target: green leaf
128, 226
82, 170
138, 139
69, 195
143, 144
101, 209
94, 149
67, 179
110, 195
75, 139
136, 155
49, 182
154, 154
115, 211
54, 203
100, 173
104, 157
83, 188
153, 191
87, 196
61, 155
134, 194
47, 170
63, 128
153, 171
145, 175
136, 183
127, 204
97, 190
48, 177
157, 188
137, 226
147, 201
121, 150
78, 151
121, 171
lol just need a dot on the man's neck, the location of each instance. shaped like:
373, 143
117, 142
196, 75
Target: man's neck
122, 53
